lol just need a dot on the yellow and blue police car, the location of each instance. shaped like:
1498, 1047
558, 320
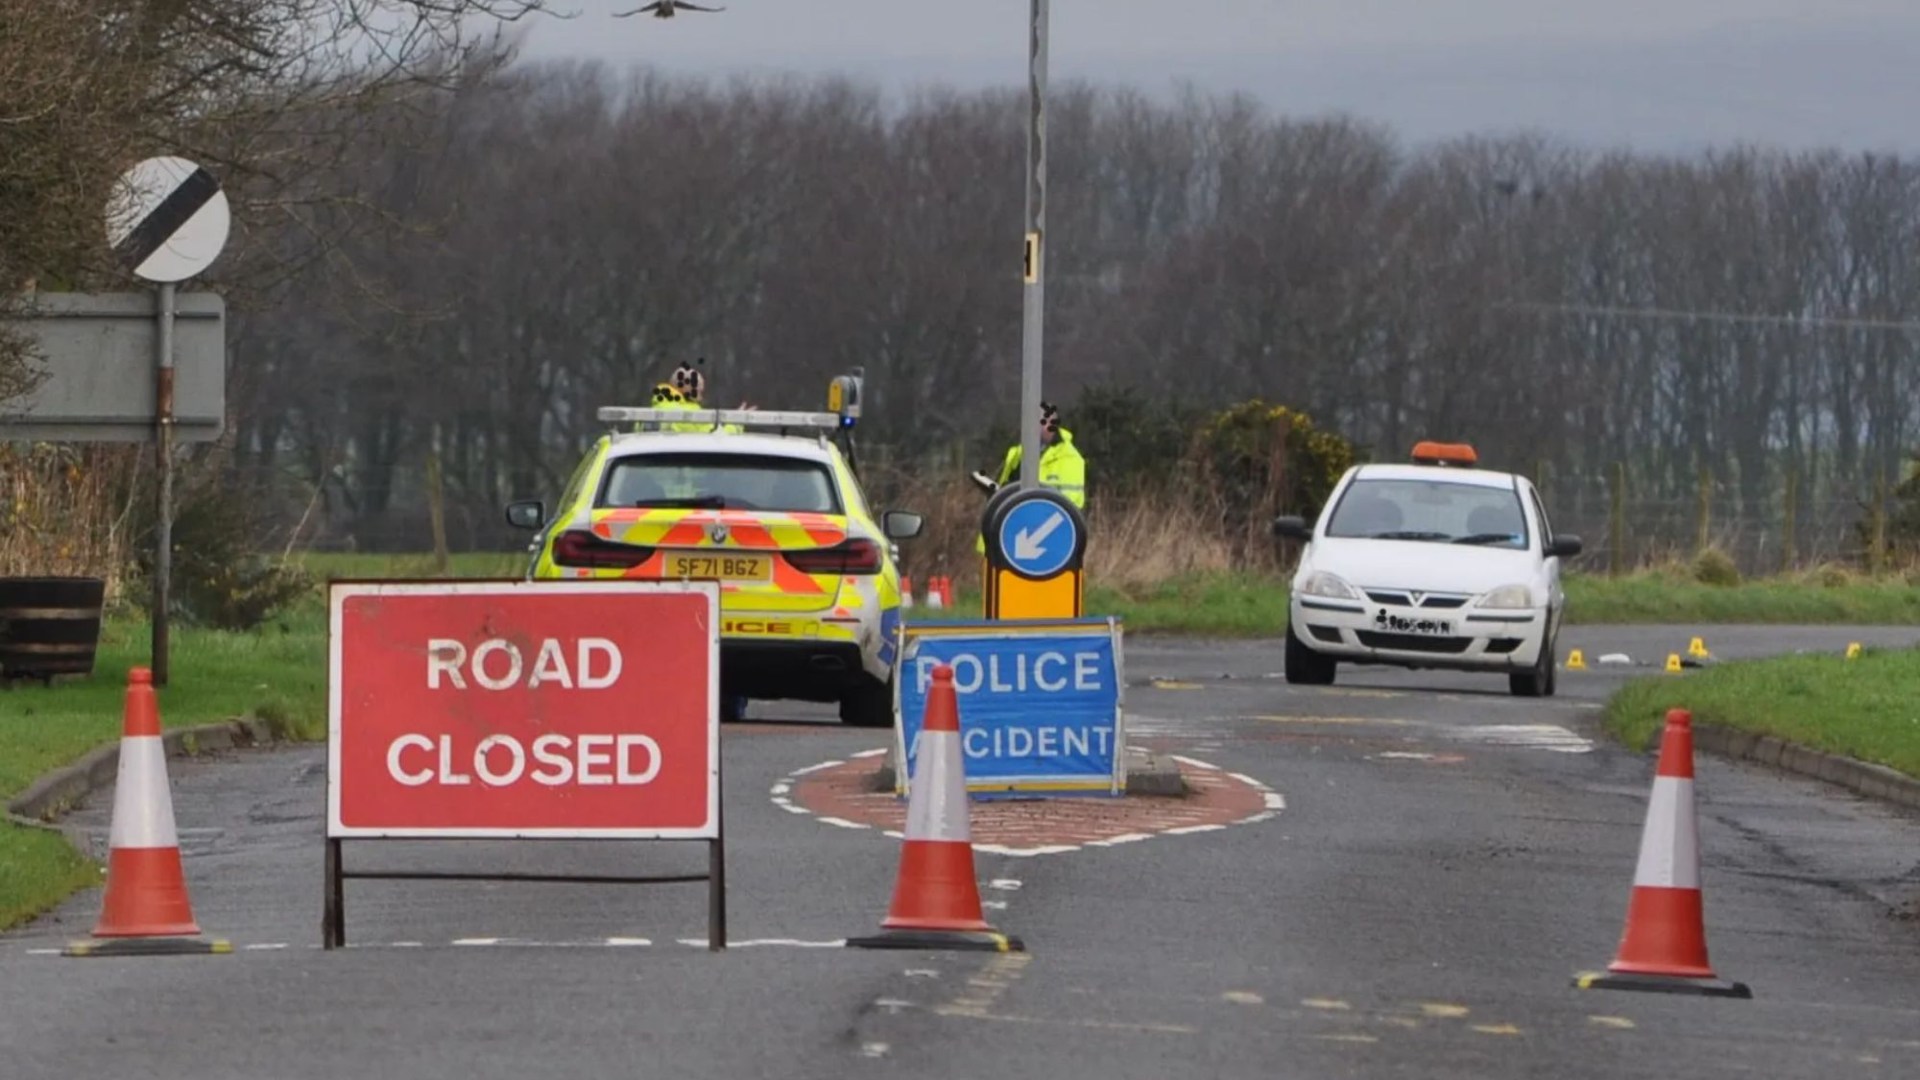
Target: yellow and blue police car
771, 505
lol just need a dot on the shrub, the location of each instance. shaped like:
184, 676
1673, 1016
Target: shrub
1832, 576
1260, 460
1715, 567
217, 579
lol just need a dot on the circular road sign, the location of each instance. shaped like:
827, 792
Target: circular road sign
167, 219
1039, 534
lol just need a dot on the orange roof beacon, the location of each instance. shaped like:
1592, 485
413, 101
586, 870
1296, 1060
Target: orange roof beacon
1428, 452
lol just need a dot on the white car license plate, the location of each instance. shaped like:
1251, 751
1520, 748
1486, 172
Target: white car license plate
1425, 625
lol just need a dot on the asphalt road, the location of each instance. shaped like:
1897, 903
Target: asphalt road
1448, 857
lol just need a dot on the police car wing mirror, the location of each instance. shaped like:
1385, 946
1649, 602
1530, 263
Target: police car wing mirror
526, 514
1563, 546
903, 524
1292, 526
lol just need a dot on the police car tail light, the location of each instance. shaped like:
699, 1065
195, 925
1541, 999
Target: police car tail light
577, 547
1509, 596
853, 557
1330, 585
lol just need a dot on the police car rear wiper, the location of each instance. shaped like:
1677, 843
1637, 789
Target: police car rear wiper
685, 502
1484, 538
1410, 536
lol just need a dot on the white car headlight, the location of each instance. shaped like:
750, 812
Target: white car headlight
1509, 596
1325, 584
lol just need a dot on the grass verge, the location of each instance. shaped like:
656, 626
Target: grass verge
277, 673
1247, 604
1863, 708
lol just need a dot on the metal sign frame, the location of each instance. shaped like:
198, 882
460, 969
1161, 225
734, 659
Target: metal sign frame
1115, 785
334, 914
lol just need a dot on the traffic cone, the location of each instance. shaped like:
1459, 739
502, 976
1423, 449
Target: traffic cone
146, 911
946, 590
906, 593
936, 901
1697, 648
934, 600
1673, 663
1576, 661
1853, 650
1664, 947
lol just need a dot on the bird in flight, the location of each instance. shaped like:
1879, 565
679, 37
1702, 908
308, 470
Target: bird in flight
666, 9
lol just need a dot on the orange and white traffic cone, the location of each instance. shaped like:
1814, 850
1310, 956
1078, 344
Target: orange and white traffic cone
946, 590
935, 601
906, 593
1664, 946
146, 911
936, 900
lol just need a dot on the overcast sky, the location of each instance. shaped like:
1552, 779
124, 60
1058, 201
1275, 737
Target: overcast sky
1648, 74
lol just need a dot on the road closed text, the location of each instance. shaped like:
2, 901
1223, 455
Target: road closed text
499, 664
627, 760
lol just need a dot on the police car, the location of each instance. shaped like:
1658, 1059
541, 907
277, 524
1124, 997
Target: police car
1432, 564
768, 503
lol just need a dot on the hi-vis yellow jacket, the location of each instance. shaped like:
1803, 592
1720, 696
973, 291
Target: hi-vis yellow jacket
1061, 468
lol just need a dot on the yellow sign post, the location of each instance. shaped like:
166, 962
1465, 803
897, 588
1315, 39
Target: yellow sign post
1036, 543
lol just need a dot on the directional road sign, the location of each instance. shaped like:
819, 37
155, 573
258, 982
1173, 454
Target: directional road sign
168, 219
1038, 536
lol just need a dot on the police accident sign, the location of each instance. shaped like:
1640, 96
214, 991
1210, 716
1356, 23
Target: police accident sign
1041, 702
536, 709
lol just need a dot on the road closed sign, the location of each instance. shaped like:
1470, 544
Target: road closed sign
1040, 703
548, 708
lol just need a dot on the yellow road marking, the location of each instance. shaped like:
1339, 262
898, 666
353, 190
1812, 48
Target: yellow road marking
1325, 1003
1620, 1022
1174, 684
1443, 1009
1348, 1038
1243, 997
1496, 1029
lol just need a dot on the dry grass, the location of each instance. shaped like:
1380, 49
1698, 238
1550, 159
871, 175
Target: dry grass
64, 510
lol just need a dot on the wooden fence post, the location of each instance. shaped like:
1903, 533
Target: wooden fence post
1617, 523
1704, 518
437, 509
1877, 552
1789, 544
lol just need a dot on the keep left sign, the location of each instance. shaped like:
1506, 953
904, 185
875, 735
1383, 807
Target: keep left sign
543, 708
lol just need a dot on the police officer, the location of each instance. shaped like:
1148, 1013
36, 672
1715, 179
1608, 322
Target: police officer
1061, 466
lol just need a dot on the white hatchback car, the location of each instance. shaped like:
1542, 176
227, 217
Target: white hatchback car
1434, 564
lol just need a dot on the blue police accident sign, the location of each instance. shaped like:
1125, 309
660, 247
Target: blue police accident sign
1040, 703
1038, 537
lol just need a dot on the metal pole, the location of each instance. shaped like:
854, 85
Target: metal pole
163, 544
1036, 288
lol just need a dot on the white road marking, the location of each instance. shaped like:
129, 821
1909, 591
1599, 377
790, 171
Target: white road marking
1189, 830
871, 753
1196, 763
817, 767
1275, 800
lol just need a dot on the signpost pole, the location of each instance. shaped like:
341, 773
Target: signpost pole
163, 543
1036, 263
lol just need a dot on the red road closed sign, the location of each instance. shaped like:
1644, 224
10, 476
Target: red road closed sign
548, 708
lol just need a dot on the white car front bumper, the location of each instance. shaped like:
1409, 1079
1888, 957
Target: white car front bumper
1465, 637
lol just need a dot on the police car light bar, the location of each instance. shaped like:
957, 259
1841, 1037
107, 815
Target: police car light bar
1430, 452
746, 418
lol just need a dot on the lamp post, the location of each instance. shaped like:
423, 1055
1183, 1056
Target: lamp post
1035, 291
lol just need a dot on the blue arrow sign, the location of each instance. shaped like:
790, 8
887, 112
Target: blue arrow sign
1038, 537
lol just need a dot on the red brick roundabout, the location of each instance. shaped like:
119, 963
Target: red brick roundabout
841, 793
